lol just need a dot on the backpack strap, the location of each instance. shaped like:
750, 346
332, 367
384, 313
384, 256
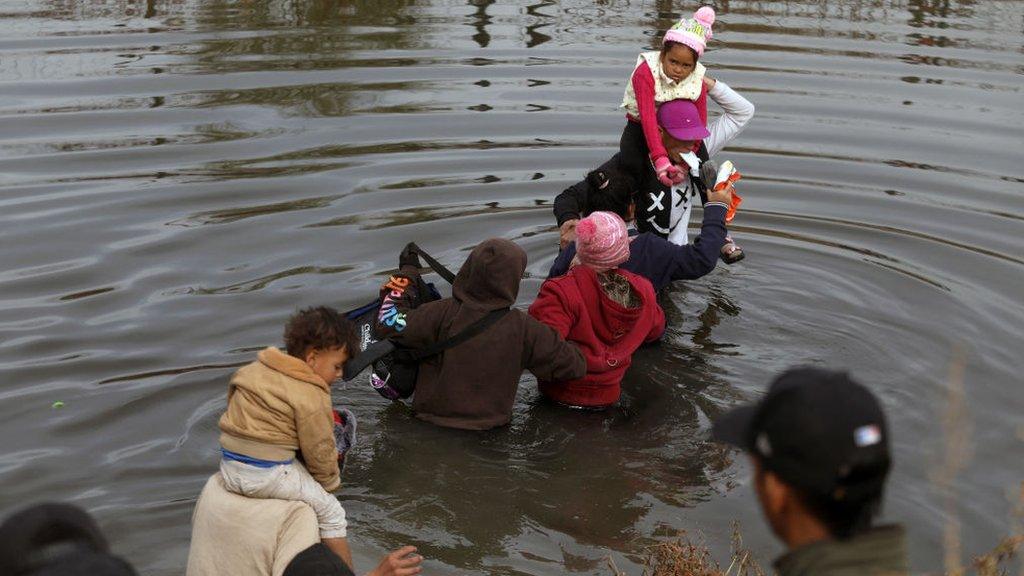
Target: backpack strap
382, 348
436, 266
373, 352
471, 331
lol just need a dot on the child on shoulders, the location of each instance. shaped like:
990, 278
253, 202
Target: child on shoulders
658, 139
673, 73
279, 407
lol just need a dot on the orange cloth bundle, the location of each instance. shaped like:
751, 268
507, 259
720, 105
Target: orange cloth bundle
727, 174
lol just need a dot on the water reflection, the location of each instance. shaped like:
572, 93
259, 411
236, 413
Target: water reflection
534, 36
480, 22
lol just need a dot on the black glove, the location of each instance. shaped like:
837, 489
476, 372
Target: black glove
708, 174
409, 257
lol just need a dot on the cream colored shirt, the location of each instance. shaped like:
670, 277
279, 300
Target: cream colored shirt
233, 534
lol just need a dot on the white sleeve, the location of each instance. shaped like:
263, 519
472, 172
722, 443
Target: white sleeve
737, 114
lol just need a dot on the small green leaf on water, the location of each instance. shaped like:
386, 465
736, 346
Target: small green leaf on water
57, 404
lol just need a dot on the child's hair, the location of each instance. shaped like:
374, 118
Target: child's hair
319, 328
610, 191
667, 47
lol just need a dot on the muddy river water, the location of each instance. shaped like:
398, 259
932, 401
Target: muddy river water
176, 177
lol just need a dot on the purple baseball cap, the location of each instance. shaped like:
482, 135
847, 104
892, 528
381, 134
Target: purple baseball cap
681, 119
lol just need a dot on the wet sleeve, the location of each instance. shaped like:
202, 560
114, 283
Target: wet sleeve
699, 257
315, 429
569, 204
658, 328
572, 202
643, 87
549, 357
560, 267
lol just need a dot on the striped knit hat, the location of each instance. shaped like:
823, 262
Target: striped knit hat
602, 242
693, 32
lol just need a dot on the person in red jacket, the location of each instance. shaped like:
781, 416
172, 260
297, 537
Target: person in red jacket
607, 311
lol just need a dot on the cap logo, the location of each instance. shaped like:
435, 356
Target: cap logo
763, 445
867, 436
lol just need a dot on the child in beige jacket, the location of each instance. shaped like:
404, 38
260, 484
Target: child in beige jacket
280, 406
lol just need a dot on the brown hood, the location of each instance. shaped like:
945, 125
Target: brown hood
473, 384
489, 279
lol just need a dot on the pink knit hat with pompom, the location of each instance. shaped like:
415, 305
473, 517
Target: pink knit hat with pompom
602, 242
693, 32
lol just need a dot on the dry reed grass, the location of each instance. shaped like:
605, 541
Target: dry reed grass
957, 428
685, 557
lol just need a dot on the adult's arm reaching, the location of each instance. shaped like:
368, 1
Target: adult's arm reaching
572, 202
663, 262
737, 113
401, 562
549, 356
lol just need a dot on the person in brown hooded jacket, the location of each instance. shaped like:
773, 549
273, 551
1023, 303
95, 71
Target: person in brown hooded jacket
473, 384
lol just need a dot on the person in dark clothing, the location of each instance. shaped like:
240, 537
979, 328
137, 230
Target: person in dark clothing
56, 540
650, 255
318, 560
473, 384
820, 449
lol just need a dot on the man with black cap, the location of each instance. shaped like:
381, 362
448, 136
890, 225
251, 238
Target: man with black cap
820, 450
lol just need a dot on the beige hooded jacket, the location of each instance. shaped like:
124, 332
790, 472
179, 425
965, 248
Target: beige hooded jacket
277, 406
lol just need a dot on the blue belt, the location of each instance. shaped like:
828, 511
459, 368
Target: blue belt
229, 455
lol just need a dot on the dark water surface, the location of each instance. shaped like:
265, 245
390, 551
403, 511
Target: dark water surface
177, 177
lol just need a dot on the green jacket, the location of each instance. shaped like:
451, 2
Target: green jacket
880, 551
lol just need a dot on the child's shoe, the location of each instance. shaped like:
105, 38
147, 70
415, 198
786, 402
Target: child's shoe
731, 252
344, 433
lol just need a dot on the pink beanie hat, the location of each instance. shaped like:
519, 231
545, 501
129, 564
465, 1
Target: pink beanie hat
693, 32
602, 242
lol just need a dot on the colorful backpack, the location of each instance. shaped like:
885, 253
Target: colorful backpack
395, 367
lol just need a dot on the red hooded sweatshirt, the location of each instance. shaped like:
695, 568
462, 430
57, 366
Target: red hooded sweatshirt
606, 332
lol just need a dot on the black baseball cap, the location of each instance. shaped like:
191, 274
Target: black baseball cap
818, 430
